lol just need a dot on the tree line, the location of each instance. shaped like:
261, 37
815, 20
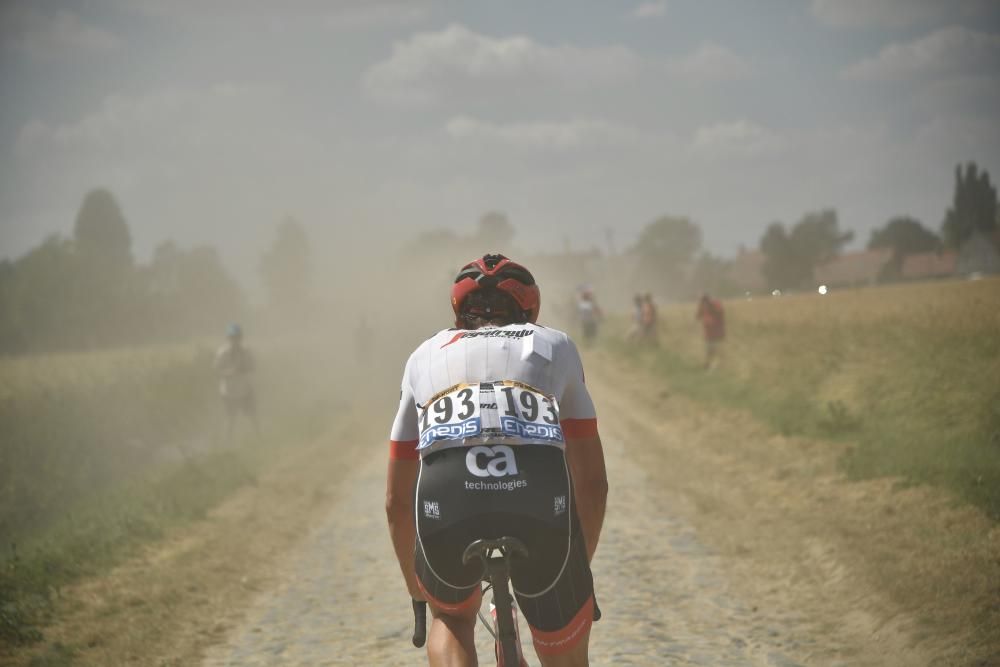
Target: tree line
87, 290
669, 258
669, 254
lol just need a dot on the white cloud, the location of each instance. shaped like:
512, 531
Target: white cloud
433, 65
960, 96
739, 138
213, 163
62, 34
154, 125
948, 51
568, 135
710, 62
649, 10
947, 141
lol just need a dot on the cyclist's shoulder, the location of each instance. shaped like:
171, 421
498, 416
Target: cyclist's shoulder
432, 342
556, 335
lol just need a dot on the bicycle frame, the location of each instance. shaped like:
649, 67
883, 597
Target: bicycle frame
495, 557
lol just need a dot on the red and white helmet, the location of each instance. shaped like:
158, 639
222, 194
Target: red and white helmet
497, 271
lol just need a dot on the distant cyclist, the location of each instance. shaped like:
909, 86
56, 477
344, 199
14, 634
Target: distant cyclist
234, 366
496, 435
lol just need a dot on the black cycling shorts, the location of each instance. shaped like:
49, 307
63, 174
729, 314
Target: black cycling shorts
490, 491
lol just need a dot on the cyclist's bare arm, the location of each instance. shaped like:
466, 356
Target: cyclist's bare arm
400, 482
585, 457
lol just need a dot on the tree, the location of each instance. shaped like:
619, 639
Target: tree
974, 206
190, 291
791, 257
105, 270
12, 338
664, 248
904, 236
711, 274
207, 293
286, 266
100, 232
494, 232
780, 268
47, 299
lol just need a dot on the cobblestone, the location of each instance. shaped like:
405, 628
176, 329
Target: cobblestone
663, 594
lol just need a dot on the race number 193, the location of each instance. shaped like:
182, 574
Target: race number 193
528, 413
453, 416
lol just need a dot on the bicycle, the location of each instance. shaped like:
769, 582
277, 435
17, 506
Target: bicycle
495, 556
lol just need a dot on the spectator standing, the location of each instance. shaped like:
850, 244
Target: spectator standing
713, 327
589, 314
648, 320
635, 331
234, 366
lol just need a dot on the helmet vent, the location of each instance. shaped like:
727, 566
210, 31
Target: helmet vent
492, 260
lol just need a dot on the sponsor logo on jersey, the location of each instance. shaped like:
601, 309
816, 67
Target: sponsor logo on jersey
496, 485
467, 429
432, 509
496, 461
489, 333
528, 430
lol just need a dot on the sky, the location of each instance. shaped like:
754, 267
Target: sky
211, 120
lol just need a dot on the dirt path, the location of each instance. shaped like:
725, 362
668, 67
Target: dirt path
723, 545
340, 601
669, 595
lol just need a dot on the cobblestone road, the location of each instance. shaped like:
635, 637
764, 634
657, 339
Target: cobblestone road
665, 596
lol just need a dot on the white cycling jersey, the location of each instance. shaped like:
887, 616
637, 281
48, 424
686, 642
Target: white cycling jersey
517, 384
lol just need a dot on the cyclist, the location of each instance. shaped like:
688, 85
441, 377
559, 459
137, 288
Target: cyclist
234, 366
496, 435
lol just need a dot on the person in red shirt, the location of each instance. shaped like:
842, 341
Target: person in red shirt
713, 326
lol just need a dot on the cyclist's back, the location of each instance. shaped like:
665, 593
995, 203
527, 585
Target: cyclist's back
488, 410
543, 358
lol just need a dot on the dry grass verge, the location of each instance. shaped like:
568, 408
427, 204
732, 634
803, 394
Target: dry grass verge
179, 595
903, 568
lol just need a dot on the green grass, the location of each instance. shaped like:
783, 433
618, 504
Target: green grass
907, 375
103, 529
102, 453
73, 423
57, 655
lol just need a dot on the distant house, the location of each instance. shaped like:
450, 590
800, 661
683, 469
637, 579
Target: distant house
927, 265
746, 271
853, 269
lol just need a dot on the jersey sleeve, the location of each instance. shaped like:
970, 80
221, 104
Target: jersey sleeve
576, 409
405, 434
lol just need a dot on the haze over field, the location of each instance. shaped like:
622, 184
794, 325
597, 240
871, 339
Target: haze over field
803, 468
209, 121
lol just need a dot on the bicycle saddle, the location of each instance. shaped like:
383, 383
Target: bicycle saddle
507, 546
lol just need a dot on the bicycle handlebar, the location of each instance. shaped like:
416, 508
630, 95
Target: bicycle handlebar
419, 623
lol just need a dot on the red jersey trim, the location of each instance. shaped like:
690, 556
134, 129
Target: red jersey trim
579, 428
403, 450
561, 641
